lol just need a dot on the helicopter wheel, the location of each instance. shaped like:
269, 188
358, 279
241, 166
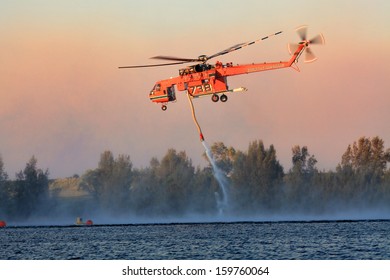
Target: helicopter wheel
164, 107
224, 98
215, 98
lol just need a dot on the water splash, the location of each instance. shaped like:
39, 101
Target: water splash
222, 199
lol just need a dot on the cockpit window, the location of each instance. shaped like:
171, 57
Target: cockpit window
156, 87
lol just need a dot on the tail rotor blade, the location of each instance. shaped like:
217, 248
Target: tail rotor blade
292, 47
319, 40
302, 32
309, 56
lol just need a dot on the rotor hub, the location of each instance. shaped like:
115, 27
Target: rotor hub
203, 58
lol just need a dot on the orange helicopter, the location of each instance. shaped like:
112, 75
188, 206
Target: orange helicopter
203, 79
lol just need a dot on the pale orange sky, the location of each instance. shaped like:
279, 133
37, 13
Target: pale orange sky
63, 99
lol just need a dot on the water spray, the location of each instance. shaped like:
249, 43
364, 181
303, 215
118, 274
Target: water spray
222, 202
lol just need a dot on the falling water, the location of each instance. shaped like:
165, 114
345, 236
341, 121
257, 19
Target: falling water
222, 199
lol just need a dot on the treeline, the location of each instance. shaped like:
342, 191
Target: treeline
256, 184
23, 197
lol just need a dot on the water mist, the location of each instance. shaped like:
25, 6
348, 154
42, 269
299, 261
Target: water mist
222, 200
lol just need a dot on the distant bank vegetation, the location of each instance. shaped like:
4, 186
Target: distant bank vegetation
173, 187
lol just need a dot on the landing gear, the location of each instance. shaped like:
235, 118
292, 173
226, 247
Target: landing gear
164, 107
215, 98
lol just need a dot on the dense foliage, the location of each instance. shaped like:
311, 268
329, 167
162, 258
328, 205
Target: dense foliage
172, 187
25, 196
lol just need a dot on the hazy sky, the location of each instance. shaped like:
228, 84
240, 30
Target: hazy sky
63, 99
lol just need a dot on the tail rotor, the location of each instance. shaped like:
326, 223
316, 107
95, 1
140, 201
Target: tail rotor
317, 40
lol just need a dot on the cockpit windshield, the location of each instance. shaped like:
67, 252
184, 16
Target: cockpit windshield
156, 87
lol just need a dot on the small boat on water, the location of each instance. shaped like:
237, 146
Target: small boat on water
80, 222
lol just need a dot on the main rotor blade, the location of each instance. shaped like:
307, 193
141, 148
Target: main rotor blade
163, 57
151, 65
242, 45
228, 50
302, 32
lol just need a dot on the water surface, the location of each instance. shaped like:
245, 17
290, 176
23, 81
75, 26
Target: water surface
243, 240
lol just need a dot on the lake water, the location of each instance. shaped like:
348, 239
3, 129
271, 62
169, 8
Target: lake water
321, 240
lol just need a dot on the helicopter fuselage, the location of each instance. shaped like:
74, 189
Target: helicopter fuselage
206, 79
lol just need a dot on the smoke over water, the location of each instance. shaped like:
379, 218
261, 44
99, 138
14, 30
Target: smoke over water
222, 199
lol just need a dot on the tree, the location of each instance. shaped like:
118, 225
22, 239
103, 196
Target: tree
367, 158
204, 192
303, 166
175, 173
3, 174
256, 176
362, 170
145, 193
110, 182
301, 191
4, 194
223, 156
164, 188
31, 189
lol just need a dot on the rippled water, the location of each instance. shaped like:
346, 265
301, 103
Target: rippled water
260, 240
